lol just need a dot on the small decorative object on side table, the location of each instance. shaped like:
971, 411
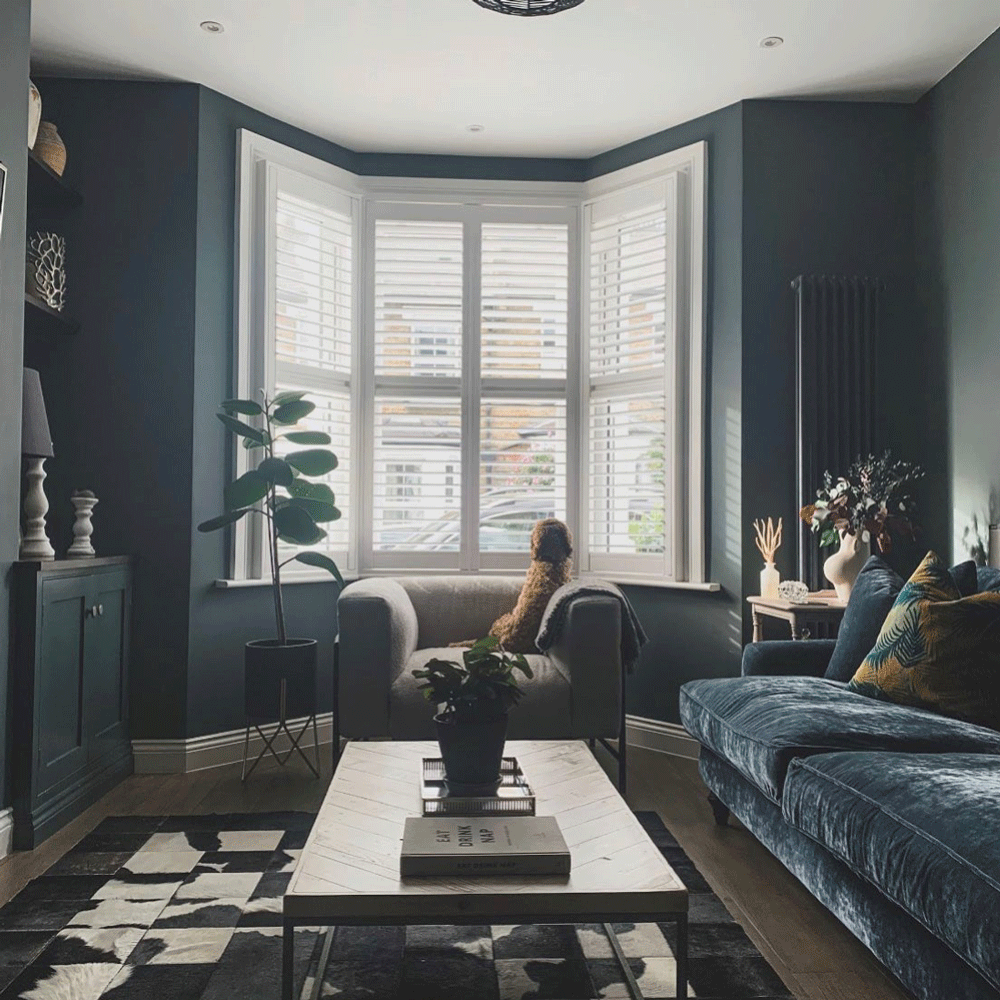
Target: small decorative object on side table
84, 503
768, 542
822, 606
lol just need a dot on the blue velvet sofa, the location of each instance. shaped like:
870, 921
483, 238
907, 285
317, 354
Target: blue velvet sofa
889, 815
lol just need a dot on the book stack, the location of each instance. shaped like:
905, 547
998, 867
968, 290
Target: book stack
483, 845
491, 834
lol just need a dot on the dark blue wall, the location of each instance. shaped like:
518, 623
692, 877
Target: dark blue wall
958, 246
700, 634
120, 391
793, 187
15, 30
828, 189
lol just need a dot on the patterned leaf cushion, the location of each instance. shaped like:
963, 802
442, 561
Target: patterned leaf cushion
938, 650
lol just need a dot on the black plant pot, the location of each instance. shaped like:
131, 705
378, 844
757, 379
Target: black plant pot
280, 679
472, 751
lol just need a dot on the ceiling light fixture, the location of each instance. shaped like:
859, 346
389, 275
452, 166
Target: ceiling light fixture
771, 42
528, 8
212, 27
475, 128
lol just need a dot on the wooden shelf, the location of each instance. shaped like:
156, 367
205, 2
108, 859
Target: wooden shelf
40, 317
47, 190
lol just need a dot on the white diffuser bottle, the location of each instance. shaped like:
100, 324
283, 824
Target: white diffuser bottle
769, 580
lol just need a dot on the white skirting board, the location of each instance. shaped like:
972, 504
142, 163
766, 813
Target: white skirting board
219, 749
6, 831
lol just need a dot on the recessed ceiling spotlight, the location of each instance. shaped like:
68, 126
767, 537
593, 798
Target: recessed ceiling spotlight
771, 42
212, 27
475, 128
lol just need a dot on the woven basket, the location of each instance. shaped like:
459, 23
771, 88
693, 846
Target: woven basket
49, 148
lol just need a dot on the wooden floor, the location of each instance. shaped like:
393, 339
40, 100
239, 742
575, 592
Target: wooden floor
817, 958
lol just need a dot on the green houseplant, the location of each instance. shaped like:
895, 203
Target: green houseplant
280, 672
476, 696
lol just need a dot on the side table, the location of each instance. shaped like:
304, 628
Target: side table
822, 606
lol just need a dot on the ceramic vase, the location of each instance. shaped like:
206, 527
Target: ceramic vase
769, 580
843, 567
34, 113
49, 148
83, 528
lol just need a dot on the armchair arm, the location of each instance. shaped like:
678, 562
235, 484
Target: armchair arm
788, 658
378, 635
588, 655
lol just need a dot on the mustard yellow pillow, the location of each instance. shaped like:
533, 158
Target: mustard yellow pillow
937, 650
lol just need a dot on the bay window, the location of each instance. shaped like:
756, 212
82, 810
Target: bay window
483, 359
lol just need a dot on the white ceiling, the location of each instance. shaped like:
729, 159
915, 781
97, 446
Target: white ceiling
410, 75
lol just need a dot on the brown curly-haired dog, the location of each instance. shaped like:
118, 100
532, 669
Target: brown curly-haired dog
551, 549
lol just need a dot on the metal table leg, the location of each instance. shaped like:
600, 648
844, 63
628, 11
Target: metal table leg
287, 960
682, 956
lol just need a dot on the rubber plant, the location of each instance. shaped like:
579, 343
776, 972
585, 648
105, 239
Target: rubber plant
281, 490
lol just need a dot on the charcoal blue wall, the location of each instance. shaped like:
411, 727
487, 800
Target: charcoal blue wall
700, 634
120, 391
15, 29
828, 189
958, 243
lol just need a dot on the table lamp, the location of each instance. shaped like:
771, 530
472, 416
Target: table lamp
36, 446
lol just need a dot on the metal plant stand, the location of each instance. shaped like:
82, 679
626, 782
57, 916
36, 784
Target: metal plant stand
283, 698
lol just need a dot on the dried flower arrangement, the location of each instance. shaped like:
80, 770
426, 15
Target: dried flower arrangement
873, 499
768, 538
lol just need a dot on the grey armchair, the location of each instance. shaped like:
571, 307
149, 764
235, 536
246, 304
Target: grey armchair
390, 626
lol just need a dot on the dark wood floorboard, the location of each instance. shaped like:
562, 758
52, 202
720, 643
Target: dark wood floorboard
816, 957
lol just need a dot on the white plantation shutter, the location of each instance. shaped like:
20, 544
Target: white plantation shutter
482, 357
313, 295
416, 496
523, 454
418, 298
525, 289
634, 499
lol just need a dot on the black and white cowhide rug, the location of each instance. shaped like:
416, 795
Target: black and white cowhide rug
189, 908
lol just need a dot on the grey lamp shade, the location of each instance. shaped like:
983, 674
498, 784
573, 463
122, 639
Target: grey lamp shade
36, 441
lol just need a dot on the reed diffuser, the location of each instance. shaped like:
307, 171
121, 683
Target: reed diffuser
768, 542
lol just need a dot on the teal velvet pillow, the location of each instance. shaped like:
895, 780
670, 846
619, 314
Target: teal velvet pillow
937, 650
874, 593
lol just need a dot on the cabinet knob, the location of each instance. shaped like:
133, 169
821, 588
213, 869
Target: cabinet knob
100, 609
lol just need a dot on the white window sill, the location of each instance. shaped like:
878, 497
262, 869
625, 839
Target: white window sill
634, 581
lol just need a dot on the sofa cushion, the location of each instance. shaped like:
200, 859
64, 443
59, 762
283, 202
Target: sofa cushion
760, 724
544, 713
937, 649
922, 828
872, 597
987, 578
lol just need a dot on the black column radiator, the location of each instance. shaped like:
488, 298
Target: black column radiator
836, 342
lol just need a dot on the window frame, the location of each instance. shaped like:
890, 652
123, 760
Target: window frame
473, 203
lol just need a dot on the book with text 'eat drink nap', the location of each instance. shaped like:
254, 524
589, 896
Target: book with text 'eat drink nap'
483, 845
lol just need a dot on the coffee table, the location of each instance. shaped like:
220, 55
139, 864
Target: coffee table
348, 872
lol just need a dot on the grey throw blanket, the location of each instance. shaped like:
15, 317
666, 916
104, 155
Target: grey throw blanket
554, 621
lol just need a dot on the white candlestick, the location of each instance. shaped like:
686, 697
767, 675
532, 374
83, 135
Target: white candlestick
83, 528
35, 543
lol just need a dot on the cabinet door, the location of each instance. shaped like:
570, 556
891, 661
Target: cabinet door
59, 684
105, 677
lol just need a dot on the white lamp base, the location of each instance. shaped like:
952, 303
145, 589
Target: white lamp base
35, 543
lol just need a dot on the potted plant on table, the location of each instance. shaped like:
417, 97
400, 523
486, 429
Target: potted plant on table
281, 490
872, 500
475, 697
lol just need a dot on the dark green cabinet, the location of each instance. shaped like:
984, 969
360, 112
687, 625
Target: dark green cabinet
70, 687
